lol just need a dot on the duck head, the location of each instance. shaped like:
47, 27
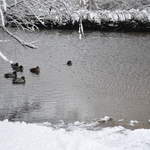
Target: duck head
23, 78
21, 68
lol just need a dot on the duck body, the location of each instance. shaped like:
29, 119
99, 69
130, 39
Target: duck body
69, 63
10, 75
16, 67
35, 70
19, 80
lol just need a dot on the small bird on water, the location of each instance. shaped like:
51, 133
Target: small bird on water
16, 67
69, 63
19, 80
11, 75
35, 70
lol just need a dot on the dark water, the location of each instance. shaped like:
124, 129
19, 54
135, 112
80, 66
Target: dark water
110, 75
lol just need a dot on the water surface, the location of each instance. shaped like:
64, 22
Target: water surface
110, 75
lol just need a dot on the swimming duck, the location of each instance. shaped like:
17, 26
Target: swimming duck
19, 80
11, 75
35, 70
19, 69
16, 67
69, 63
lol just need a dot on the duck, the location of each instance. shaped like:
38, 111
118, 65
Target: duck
69, 63
19, 80
35, 70
16, 67
19, 69
11, 75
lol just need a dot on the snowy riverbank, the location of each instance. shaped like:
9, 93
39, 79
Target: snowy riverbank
65, 14
23, 136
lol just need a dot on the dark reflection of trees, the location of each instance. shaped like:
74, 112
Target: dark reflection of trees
18, 112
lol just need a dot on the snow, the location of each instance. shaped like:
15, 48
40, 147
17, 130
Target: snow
113, 16
106, 118
23, 136
133, 122
120, 120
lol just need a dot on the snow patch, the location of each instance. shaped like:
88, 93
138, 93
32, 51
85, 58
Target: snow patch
105, 119
133, 122
23, 136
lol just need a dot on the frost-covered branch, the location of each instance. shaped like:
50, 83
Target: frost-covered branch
23, 43
3, 9
13, 5
33, 14
81, 31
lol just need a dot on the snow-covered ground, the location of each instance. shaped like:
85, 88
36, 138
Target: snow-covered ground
23, 136
66, 12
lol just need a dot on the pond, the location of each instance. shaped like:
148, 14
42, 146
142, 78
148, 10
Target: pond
110, 75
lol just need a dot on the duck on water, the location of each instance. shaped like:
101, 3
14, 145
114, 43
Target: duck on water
69, 63
16, 67
20, 80
35, 70
11, 75
19, 68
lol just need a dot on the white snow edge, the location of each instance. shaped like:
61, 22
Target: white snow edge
23, 136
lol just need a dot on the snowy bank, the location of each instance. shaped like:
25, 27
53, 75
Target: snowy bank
23, 136
63, 14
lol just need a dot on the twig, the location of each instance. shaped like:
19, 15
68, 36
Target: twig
14, 4
81, 31
18, 39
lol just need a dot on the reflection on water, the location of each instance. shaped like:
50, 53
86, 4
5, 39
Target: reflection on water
110, 75
17, 113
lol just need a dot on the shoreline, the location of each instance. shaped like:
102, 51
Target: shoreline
62, 16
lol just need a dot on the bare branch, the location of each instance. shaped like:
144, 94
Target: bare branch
14, 5
30, 45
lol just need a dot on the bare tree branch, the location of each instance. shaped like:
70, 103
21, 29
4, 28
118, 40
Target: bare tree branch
2, 15
13, 5
30, 45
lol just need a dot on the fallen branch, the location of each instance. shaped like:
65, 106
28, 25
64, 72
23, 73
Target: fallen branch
30, 45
